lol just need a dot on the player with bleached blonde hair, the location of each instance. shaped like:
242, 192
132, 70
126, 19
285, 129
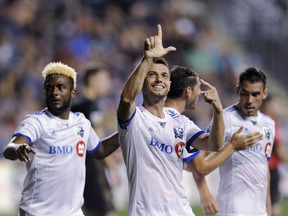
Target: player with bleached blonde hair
60, 69
53, 143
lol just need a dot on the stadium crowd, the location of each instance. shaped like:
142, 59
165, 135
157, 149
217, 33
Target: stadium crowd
77, 32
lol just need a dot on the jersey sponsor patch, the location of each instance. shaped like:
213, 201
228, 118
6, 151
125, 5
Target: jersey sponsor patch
168, 149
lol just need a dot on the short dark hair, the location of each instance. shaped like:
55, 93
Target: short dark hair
253, 75
89, 72
181, 78
161, 60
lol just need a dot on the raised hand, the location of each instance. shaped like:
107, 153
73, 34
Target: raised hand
22, 152
153, 47
211, 96
241, 142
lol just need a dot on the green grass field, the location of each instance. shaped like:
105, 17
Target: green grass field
196, 209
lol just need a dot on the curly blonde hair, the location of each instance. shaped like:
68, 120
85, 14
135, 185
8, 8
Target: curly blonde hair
59, 68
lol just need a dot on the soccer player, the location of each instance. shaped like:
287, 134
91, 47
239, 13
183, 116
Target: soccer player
244, 177
183, 95
153, 140
58, 141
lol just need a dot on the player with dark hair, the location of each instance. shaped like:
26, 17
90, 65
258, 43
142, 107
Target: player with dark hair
244, 177
183, 95
154, 140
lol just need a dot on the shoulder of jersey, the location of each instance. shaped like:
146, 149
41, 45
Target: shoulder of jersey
78, 114
171, 112
40, 113
267, 118
230, 109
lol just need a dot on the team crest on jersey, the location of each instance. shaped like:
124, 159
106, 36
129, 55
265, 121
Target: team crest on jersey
80, 148
178, 132
80, 131
267, 132
179, 147
268, 149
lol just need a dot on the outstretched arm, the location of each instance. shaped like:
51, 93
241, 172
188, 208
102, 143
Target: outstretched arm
153, 48
237, 142
18, 148
109, 145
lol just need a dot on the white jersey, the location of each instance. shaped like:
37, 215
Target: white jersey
55, 177
154, 150
243, 177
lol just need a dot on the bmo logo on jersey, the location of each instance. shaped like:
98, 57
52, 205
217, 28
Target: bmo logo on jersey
60, 149
67, 149
163, 147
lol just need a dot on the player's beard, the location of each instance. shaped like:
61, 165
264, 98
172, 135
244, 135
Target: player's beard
59, 110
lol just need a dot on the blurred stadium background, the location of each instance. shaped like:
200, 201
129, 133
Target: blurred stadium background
216, 38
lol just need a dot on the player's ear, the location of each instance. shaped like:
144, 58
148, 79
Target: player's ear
238, 89
265, 93
188, 91
73, 93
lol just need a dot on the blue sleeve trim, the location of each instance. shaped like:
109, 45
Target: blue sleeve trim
95, 149
192, 139
191, 157
125, 124
26, 137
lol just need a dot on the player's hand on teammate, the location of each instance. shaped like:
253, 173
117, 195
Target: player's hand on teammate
244, 141
153, 47
22, 152
211, 96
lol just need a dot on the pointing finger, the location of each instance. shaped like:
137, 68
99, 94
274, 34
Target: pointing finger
208, 85
159, 32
